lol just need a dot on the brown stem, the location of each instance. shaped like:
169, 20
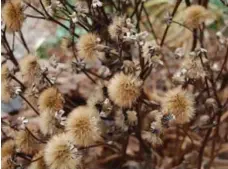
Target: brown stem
224, 64
33, 108
168, 26
23, 41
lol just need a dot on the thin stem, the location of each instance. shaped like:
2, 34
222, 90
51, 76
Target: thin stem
223, 65
23, 41
33, 108
168, 26
34, 136
150, 24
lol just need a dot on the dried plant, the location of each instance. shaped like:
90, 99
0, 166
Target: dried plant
123, 88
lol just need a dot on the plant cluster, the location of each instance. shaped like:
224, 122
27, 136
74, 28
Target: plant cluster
149, 106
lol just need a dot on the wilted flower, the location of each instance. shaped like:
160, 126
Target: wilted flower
152, 138
180, 103
192, 68
151, 54
12, 15
124, 89
96, 3
83, 126
132, 118
116, 28
23, 122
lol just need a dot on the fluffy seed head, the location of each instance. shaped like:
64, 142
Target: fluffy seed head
7, 91
83, 125
50, 99
39, 162
124, 89
60, 153
30, 69
180, 103
8, 148
195, 15
87, 47
49, 125
5, 73
7, 163
12, 15
115, 28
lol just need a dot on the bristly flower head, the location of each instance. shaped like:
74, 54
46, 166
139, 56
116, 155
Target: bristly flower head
180, 103
87, 47
195, 15
124, 89
30, 68
50, 100
7, 163
12, 15
60, 153
7, 91
83, 125
8, 148
5, 73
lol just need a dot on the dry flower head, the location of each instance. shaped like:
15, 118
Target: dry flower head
124, 89
59, 153
180, 103
83, 125
12, 15
50, 100
195, 15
